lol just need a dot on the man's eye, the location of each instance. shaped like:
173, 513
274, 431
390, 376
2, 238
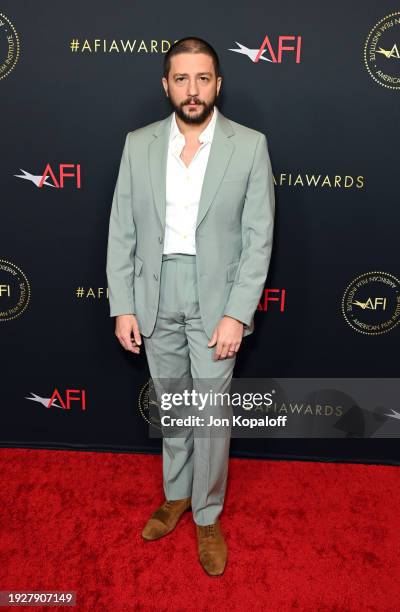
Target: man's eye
179, 78
204, 78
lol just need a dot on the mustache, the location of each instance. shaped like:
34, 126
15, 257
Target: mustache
192, 100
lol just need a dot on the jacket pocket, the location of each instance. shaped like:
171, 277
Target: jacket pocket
138, 265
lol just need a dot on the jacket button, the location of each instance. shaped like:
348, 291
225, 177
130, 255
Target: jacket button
160, 239
155, 276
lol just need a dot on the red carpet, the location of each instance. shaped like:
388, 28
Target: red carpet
302, 536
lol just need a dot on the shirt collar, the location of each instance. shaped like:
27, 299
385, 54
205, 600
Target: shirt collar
205, 136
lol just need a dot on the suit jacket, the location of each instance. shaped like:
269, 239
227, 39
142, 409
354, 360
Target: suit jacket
234, 228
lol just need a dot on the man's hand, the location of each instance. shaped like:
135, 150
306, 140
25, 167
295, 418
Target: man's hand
125, 326
227, 336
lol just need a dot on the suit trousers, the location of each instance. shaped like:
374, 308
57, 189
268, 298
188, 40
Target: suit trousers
194, 466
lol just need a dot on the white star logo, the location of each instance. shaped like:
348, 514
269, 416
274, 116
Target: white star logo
34, 178
251, 53
43, 400
395, 415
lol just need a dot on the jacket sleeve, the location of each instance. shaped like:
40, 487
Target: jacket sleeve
121, 241
257, 236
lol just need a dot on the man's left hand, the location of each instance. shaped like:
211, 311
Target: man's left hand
227, 336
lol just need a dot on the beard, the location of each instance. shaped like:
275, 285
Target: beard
193, 118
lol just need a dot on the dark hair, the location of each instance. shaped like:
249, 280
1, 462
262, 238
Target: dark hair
190, 44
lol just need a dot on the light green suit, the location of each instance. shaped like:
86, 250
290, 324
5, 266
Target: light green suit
234, 229
179, 299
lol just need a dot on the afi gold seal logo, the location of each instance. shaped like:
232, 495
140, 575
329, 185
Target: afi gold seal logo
382, 51
9, 46
148, 404
371, 303
14, 291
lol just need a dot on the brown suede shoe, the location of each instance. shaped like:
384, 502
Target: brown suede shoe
165, 518
212, 548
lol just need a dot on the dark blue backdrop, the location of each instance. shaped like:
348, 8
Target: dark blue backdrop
324, 116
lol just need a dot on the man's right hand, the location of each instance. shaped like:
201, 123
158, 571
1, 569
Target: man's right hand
127, 326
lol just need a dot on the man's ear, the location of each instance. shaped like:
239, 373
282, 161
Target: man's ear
219, 85
165, 85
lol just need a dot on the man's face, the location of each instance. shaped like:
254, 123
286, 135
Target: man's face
192, 86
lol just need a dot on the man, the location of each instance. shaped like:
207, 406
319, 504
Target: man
190, 239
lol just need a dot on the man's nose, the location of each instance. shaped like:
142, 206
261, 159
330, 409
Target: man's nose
192, 88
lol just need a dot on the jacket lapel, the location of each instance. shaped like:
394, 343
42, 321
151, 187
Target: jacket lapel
157, 156
222, 147
220, 153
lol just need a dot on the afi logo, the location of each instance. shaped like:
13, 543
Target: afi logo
64, 402
268, 296
275, 55
378, 302
57, 176
71, 395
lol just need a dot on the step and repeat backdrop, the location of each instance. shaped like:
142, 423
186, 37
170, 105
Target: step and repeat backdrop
322, 83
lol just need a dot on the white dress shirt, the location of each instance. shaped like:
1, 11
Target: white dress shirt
183, 188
